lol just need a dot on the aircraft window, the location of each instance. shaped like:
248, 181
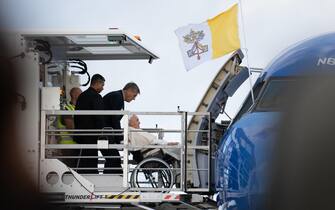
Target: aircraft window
273, 97
248, 103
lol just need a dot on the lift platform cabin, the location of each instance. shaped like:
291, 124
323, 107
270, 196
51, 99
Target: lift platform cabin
52, 63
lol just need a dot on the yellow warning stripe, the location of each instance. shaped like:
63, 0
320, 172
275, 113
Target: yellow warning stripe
125, 197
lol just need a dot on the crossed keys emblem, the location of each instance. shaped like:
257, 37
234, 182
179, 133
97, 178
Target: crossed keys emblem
194, 37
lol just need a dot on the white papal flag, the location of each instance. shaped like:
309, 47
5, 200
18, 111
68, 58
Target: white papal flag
209, 40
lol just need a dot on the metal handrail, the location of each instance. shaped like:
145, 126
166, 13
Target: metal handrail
110, 146
183, 147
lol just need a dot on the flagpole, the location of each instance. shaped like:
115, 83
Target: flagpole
246, 51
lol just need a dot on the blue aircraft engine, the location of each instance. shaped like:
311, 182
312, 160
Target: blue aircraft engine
244, 153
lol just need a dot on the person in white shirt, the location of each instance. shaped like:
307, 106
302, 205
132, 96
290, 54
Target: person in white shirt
138, 137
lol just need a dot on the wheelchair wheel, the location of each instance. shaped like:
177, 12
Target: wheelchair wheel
152, 173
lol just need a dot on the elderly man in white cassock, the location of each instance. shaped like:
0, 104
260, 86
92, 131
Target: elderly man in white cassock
138, 137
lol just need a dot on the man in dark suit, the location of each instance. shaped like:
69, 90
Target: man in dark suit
90, 99
115, 101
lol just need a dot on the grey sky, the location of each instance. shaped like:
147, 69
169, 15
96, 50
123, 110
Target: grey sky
270, 26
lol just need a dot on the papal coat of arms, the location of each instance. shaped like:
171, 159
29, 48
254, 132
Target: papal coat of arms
194, 37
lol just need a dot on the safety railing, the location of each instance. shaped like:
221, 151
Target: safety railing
163, 169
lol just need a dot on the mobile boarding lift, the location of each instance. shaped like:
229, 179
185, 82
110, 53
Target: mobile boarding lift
50, 66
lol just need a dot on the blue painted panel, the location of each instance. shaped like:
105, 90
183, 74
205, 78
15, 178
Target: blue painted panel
309, 56
243, 156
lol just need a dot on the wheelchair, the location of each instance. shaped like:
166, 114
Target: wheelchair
158, 170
